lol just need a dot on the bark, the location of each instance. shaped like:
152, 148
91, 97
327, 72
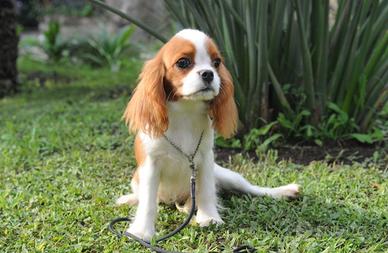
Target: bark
8, 48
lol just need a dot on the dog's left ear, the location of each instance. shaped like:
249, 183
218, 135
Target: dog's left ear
223, 109
147, 110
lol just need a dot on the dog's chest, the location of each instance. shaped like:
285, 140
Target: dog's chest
175, 171
184, 134
174, 183
169, 153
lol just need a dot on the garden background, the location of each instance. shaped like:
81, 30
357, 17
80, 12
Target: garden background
311, 88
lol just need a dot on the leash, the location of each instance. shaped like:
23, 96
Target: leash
147, 244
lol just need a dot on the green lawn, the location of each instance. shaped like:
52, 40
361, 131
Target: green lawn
66, 155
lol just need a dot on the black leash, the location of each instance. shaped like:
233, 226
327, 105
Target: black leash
190, 158
177, 230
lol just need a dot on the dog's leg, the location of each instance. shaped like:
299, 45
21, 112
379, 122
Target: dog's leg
130, 199
143, 225
232, 181
206, 194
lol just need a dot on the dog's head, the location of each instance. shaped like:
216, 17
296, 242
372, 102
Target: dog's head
188, 67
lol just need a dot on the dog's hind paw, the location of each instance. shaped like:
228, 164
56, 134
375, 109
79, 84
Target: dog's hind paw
290, 191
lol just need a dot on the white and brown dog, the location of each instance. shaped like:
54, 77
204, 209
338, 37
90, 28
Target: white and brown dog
183, 91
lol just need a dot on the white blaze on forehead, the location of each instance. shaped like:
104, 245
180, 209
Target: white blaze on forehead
199, 39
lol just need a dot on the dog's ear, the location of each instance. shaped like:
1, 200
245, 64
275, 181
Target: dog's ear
223, 109
147, 111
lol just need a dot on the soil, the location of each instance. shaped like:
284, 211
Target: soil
346, 152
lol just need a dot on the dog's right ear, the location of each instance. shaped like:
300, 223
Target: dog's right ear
147, 109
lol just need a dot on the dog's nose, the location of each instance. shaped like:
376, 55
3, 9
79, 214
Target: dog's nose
207, 75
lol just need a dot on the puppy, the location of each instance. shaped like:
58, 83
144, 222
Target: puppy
184, 92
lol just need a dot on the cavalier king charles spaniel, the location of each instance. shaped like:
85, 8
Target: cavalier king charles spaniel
184, 92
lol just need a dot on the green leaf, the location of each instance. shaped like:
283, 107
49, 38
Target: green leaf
265, 129
377, 135
284, 122
267, 142
318, 142
364, 138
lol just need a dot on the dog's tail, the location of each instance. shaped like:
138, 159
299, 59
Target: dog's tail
232, 181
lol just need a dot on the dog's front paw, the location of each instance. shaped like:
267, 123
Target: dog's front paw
290, 191
204, 220
143, 232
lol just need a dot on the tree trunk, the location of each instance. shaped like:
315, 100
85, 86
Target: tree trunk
8, 48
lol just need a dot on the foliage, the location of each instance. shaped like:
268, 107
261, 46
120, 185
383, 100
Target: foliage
66, 156
382, 122
52, 44
74, 8
105, 49
227, 143
260, 139
379, 132
337, 125
376, 135
270, 44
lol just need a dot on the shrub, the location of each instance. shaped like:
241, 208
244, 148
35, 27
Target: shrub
272, 45
53, 45
104, 50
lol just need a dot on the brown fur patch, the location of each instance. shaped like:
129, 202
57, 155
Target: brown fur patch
175, 49
223, 108
140, 157
147, 109
139, 151
212, 49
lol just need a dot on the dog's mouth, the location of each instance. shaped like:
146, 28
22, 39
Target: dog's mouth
205, 89
206, 93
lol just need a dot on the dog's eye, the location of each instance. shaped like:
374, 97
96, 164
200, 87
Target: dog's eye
183, 63
216, 62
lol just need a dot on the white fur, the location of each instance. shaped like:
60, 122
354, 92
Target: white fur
192, 83
144, 224
165, 174
232, 181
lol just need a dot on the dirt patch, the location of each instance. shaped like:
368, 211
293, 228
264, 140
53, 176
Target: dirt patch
340, 152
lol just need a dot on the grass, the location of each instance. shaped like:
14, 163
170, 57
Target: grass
66, 156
